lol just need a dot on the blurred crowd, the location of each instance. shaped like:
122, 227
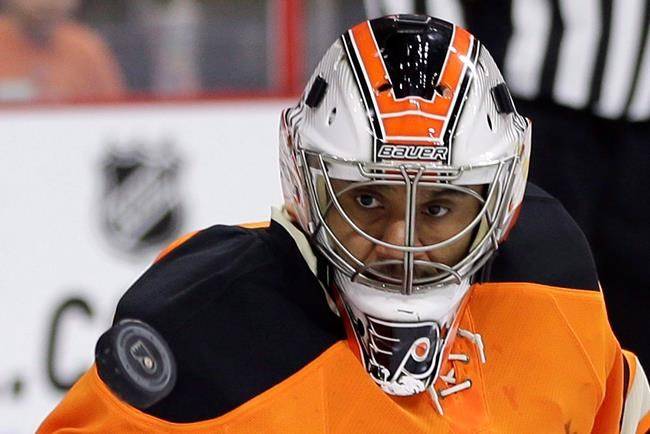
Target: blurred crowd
47, 55
105, 49
76, 49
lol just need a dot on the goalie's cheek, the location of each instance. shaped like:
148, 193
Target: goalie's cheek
440, 230
452, 254
354, 243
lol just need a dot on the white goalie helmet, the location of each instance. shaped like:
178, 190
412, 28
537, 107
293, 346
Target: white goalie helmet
405, 161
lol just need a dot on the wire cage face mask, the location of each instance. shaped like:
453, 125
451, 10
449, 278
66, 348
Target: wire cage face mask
404, 227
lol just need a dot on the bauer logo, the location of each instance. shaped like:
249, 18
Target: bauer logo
412, 152
141, 204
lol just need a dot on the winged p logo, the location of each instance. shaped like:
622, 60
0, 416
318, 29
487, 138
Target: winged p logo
401, 357
140, 352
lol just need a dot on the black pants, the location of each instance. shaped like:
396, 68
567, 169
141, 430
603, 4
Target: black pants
600, 171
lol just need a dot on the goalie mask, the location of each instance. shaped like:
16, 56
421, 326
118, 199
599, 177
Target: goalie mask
406, 163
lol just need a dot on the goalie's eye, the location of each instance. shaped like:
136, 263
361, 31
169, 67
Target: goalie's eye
367, 201
434, 210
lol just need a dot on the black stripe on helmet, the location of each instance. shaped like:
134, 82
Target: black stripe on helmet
364, 88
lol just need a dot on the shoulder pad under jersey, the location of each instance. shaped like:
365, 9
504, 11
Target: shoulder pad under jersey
546, 246
241, 312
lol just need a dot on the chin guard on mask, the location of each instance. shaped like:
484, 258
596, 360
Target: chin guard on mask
400, 340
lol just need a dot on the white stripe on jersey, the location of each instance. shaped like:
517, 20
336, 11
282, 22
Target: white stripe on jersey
449, 10
637, 402
640, 106
627, 20
524, 62
578, 51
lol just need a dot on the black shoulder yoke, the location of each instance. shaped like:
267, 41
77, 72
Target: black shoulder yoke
546, 246
240, 310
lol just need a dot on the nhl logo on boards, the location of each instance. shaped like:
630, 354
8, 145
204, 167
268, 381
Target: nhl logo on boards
141, 203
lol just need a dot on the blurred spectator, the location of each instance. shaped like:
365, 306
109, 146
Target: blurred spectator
46, 56
184, 47
173, 27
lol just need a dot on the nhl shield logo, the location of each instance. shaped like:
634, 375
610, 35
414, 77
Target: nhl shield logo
141, 205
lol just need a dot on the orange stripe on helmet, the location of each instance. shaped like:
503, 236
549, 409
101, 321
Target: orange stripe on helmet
411, 125
452, 72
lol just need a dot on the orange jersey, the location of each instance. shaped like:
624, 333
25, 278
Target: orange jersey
573, 382
76, 63
261, 352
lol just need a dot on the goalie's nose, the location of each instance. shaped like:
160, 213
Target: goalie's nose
395, 232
